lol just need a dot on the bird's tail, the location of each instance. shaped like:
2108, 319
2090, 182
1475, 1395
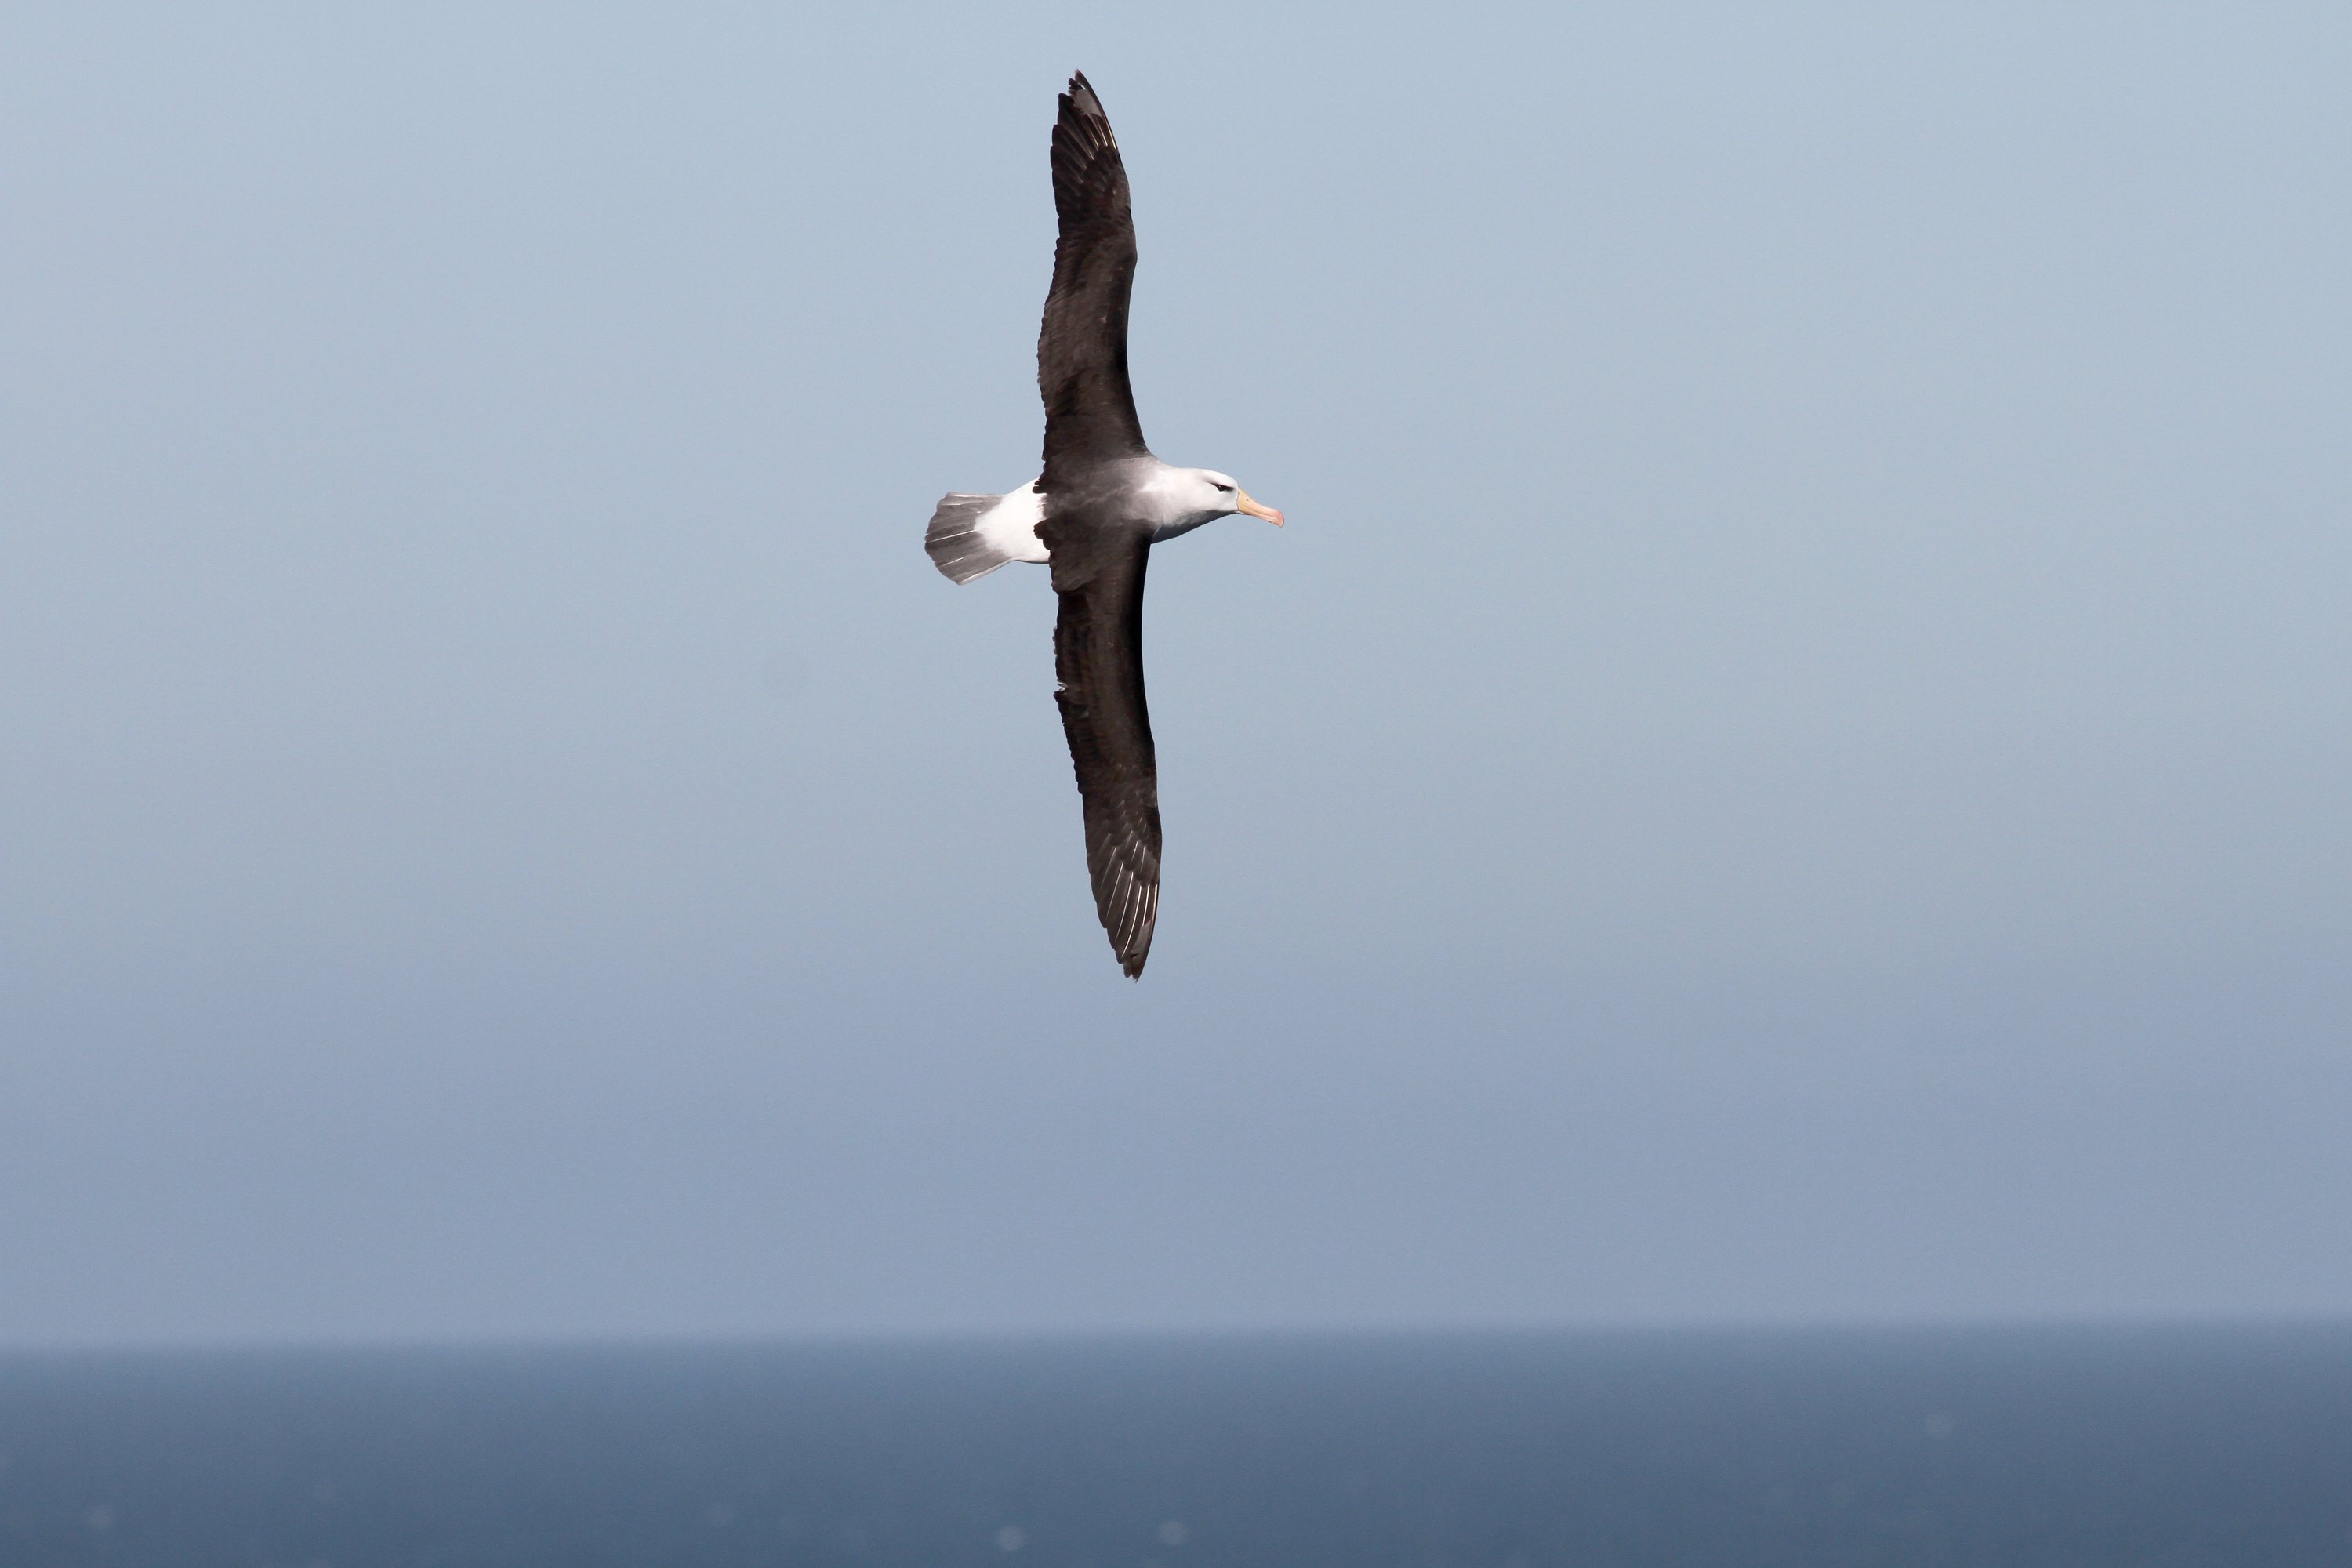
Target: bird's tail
954, 540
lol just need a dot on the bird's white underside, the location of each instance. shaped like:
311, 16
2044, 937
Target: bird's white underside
1174, 501
1010, 527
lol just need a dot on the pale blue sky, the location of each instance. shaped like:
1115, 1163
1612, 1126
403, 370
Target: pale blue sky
1792, 763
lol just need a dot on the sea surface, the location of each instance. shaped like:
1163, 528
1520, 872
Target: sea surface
2140, 1447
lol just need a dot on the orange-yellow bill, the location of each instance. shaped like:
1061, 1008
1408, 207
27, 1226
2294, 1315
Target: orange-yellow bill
1255, 509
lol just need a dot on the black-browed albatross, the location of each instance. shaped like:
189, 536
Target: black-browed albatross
1103, 501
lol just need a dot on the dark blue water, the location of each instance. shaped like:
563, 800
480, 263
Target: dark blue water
2141, 1448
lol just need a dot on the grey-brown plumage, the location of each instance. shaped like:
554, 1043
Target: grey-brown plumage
1098, 685
1082, 343
1094, 514
1099, 549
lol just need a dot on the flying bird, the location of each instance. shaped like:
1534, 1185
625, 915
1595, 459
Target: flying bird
1093, 516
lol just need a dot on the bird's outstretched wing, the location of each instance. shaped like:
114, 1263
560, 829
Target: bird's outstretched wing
1082, 345
1098, 667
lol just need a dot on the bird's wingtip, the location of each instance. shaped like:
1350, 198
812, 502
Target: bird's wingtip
1082, 97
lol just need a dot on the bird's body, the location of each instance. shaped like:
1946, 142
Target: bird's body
1093, 515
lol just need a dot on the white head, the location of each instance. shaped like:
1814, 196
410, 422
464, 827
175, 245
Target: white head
1196, 496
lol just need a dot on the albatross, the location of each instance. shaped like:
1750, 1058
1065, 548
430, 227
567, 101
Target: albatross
1093, 516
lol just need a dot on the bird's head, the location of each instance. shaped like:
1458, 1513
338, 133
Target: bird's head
1207, 493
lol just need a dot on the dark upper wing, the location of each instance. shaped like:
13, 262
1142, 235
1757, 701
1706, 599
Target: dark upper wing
1099, 666
1082, 346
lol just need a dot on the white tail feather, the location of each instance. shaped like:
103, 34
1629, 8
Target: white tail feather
972, 535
